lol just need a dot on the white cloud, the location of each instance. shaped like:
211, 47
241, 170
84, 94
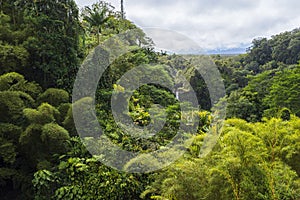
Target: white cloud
214, 23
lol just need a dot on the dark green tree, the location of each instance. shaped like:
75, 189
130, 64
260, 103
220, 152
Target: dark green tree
53, 44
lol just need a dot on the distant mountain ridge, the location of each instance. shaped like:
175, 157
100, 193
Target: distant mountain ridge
230, 51
220, 51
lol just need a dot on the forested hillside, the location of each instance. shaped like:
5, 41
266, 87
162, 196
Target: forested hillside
44, 43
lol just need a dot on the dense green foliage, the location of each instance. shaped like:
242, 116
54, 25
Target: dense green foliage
250, 161
42, 44
265, 80
44, 39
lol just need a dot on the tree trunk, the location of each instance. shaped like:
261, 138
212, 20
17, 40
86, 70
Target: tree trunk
122, 9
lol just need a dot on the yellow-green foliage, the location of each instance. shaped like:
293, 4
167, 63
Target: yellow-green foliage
53, 132
54, 136
54, 96
251, 161
16, 82
12, 104
9, 79
45, 113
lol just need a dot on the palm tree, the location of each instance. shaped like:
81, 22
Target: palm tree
96, 17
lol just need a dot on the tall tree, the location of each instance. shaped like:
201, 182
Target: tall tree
53, 44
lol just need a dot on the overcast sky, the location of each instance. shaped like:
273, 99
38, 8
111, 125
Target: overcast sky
214, 24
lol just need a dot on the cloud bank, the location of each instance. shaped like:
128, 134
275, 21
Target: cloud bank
214, 24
